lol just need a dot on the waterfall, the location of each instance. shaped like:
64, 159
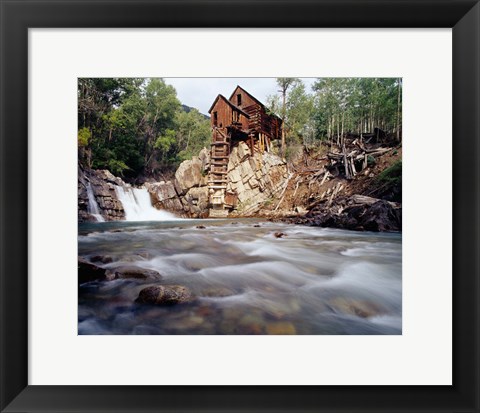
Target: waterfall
138, 205
92, 204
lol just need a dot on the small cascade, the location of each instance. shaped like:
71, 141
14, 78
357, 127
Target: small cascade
92, 204
138, 205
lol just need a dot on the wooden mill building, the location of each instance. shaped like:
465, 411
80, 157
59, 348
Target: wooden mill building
242, 117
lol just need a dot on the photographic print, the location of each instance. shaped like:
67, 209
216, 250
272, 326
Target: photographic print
239, 206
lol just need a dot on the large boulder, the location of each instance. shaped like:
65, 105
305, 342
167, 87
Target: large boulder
164, 295
89, 272
164, 196
189, 175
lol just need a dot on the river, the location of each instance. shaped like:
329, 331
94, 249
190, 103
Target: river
248, 276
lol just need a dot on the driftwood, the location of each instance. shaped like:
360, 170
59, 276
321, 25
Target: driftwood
354, 159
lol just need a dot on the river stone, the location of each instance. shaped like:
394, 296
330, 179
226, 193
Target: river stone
251, 324
104, 259
218, 292
281, 328
165, 295
89, 272
359, 308
132, 272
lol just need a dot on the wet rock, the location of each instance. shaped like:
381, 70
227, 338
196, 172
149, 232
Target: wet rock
204, 311
275, 310
279, 234
218, 292
200, 227
251, 324
104, 259
132, 272
135, 257
359, 213
381, 216
165, 295
187, 323
89, 272
359, 308
281, 328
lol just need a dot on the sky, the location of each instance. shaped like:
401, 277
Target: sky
201, 92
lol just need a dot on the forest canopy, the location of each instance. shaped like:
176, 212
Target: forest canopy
137, 126
134, 126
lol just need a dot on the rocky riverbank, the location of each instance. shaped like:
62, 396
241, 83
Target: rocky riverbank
357, 212
311, 192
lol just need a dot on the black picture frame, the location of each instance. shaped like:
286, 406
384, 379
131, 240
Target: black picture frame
17, 16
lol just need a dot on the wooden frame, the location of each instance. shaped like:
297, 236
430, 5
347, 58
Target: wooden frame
18, 16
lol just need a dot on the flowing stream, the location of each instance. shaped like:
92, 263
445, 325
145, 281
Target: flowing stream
246, 279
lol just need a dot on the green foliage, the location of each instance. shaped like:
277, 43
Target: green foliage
117, 167
297, 112
193, 132
391, 175
132, 124
84, 136
166, 141
371, 162
355, 105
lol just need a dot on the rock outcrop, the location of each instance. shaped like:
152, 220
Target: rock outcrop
164, 196
102, 184
358, 212
256, 179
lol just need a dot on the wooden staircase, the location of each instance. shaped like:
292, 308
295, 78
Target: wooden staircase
217, 178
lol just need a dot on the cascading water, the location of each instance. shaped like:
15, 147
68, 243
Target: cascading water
138, 205
92, 204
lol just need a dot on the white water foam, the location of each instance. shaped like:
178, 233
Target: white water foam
138, 205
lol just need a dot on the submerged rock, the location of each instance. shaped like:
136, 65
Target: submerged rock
218, 292
89, 272
104, 259
281, 328
165, 295
132, 272
359, 308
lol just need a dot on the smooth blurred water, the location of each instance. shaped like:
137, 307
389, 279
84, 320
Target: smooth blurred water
246, 280
138, 206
